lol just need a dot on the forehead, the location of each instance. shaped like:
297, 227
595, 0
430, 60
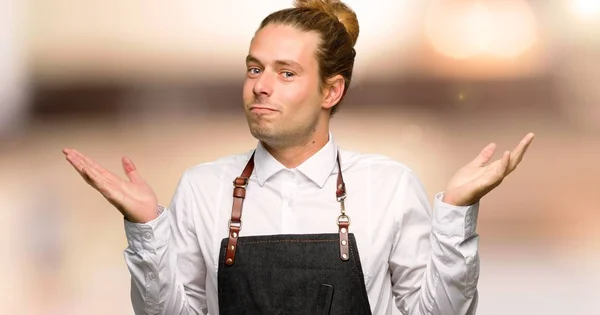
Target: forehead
281, 42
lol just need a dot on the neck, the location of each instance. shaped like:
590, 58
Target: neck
294, 155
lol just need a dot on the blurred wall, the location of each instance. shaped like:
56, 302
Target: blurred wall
435, 81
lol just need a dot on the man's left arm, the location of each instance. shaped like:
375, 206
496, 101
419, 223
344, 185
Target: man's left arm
434, 262
448, 277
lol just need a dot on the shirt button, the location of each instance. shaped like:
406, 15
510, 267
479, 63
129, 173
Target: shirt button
147, 236
152, 276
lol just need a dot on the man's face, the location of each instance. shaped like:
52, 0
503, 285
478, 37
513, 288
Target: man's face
282, 99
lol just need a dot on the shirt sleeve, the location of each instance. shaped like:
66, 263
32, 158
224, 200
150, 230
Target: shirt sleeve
168, 273
434, 261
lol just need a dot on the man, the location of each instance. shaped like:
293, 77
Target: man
323, 231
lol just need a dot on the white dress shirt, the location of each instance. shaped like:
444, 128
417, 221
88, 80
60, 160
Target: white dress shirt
425, 260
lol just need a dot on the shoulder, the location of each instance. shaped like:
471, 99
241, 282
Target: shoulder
377, 165
387, 178
228, 167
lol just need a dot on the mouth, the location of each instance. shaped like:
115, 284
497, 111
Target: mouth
262, 110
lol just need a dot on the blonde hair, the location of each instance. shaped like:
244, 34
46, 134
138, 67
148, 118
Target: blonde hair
337, 26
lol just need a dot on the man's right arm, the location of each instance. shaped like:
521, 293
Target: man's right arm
164, 257
168, 273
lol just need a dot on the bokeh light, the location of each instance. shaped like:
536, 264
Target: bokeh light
463, 29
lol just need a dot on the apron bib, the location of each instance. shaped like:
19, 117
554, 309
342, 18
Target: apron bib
315, 274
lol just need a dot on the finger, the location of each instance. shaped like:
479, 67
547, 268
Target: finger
89, 163
92, 173
96, 179
497, 171
76, 158
83, 169
100, 180
518, 153
131, 170
105, 182
485, 155
504, 164
76, 162
79, 167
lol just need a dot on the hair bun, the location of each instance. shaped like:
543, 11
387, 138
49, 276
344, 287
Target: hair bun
336, 9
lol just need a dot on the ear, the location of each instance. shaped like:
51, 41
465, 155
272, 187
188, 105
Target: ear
333, 91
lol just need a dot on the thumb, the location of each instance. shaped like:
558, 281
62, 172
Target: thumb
130, 170
485, 155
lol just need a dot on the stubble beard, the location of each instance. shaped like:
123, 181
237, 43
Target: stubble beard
276, 135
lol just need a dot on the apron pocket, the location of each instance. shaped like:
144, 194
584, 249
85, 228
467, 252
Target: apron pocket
324, 297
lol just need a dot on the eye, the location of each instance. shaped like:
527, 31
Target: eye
253, 71
288, 74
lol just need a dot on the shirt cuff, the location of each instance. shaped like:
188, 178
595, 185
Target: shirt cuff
151, 235
454, 220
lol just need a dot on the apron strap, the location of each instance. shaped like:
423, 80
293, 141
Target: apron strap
239, 193
343, 219
235, 223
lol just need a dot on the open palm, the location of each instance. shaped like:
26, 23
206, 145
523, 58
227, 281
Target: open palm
134, 198
478, 177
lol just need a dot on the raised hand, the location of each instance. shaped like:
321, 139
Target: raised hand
477, 178
134, 198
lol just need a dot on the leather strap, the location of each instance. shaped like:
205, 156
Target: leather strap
239, 193
343, 219
235, 223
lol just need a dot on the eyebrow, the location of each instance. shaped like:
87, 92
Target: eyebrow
287, 63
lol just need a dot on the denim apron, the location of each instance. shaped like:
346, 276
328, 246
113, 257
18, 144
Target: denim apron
315, 274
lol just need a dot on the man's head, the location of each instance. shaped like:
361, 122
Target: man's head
299, 67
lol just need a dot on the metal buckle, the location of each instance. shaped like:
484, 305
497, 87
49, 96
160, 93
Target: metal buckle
343, 219
235, 224
342, 204
241, 186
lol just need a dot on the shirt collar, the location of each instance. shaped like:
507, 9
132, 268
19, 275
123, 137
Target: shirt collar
317, 168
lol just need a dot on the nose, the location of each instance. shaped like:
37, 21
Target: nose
263, 86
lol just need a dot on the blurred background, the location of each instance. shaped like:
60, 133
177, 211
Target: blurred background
435, 81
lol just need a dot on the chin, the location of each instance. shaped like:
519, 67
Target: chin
261, 133
266, 135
